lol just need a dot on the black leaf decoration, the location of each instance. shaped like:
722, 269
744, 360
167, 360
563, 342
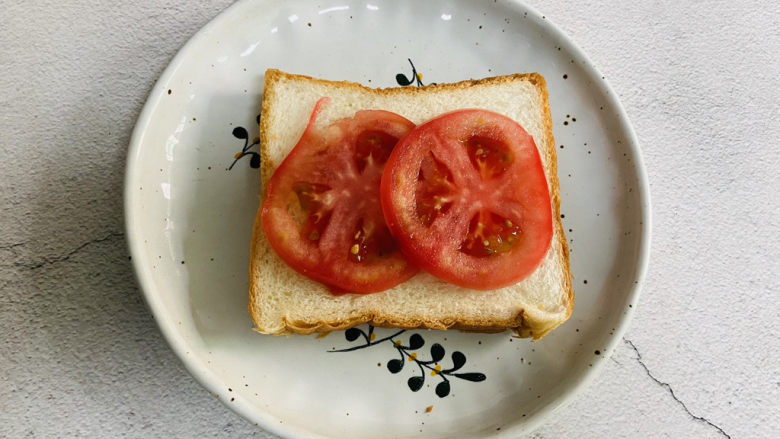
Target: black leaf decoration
395, 366
416, 342
416, 383
458, 360
471, 376
254, 162
437, 352
411, 353
240, 133
443, 389
402, 80
352, 334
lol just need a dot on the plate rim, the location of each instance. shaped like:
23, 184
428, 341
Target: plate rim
202, 374
264, 419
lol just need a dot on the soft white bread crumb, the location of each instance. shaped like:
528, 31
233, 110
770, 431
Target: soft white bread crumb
281, 301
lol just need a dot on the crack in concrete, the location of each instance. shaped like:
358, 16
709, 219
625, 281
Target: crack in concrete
10, 246
671, 391
66, 256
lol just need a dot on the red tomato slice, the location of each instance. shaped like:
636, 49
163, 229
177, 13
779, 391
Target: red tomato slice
466, 196
322, 213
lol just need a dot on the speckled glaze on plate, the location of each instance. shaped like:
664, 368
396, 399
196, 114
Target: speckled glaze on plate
190, 207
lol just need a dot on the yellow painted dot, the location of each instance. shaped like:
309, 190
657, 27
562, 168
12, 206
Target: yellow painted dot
373, 336
413, 356
429, 409
419, 76
397, 343
238, 155
436, 370
256, 140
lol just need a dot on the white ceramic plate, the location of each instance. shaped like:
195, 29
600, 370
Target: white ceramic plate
189, 220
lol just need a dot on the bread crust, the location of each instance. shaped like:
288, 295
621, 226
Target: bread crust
518, 323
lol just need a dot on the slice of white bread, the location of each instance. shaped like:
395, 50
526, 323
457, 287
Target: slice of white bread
282, 301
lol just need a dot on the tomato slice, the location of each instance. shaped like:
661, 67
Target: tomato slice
322, 213
466, 197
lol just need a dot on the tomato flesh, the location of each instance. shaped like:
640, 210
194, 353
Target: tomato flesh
310, 201
489, 234
488, 156
322, 213
466, 197
434, 194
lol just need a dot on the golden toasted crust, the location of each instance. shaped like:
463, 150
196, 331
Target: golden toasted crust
388, 321
555, 193
254, 288
517, 323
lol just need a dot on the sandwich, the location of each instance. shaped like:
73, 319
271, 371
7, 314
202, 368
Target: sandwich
414, 207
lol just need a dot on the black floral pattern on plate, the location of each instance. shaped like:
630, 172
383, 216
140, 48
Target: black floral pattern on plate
429, 364
416, 78
242, 133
